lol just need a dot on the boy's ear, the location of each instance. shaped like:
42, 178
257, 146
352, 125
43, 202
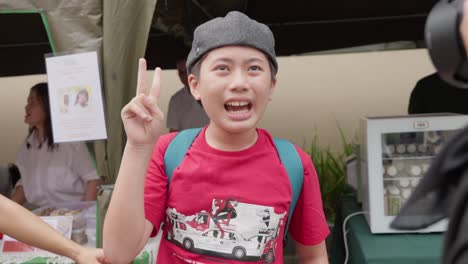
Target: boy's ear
193, 83
273, 86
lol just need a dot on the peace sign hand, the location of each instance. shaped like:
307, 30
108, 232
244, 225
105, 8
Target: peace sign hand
464, 25
142, 118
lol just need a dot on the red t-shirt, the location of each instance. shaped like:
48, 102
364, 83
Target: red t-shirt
230, 207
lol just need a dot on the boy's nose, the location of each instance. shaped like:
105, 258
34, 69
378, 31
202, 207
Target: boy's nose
240, 81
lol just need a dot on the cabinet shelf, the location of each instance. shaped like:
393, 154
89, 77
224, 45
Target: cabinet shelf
409, 158
401, 178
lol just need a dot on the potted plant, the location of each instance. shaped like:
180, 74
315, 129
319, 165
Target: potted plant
331, 171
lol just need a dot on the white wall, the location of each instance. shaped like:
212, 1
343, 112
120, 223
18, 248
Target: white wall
313, 94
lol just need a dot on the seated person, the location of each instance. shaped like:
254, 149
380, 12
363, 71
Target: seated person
51, 173
9, 176
184, 111
433, 95
5, 182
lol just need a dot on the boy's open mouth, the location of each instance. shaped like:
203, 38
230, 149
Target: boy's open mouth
238, 107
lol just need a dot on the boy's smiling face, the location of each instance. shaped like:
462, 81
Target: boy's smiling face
234, 86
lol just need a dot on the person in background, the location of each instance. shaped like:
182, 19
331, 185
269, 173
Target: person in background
9, 176
232, 70
19, 223
184, 111
51, 173
434, 95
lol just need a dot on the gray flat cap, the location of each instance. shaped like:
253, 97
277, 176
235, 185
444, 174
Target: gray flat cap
235, 29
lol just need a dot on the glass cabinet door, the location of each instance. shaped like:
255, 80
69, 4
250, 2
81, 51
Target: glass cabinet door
406, 157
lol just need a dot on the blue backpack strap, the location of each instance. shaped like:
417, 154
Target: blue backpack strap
177, 149
293, 164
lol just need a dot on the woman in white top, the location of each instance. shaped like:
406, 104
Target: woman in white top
51, 173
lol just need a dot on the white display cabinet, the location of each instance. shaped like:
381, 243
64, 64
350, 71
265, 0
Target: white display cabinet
395, 153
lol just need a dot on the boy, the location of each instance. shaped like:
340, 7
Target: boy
228, 200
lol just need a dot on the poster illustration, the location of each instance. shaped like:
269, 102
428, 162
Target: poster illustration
76, 102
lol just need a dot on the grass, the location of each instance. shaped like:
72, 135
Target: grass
331, 171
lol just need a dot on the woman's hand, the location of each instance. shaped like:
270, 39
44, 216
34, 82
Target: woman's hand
142, 117
90, 256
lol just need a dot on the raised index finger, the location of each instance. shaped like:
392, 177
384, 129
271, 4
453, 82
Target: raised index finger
141, 81
156, 86
464, 25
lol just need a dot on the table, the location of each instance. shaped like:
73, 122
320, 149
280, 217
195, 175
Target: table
365, 247
146, 256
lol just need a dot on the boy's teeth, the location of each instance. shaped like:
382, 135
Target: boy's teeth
237, 107
237, 103
239, 111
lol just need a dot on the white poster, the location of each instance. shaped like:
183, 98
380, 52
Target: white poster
76, 106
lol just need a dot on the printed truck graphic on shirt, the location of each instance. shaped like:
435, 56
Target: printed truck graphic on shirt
229, 229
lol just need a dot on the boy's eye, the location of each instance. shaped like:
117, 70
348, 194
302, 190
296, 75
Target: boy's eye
255, 68
222, 68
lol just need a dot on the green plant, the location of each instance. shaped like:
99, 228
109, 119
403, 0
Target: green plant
331, 171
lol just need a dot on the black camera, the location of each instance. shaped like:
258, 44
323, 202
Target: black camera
445, 44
